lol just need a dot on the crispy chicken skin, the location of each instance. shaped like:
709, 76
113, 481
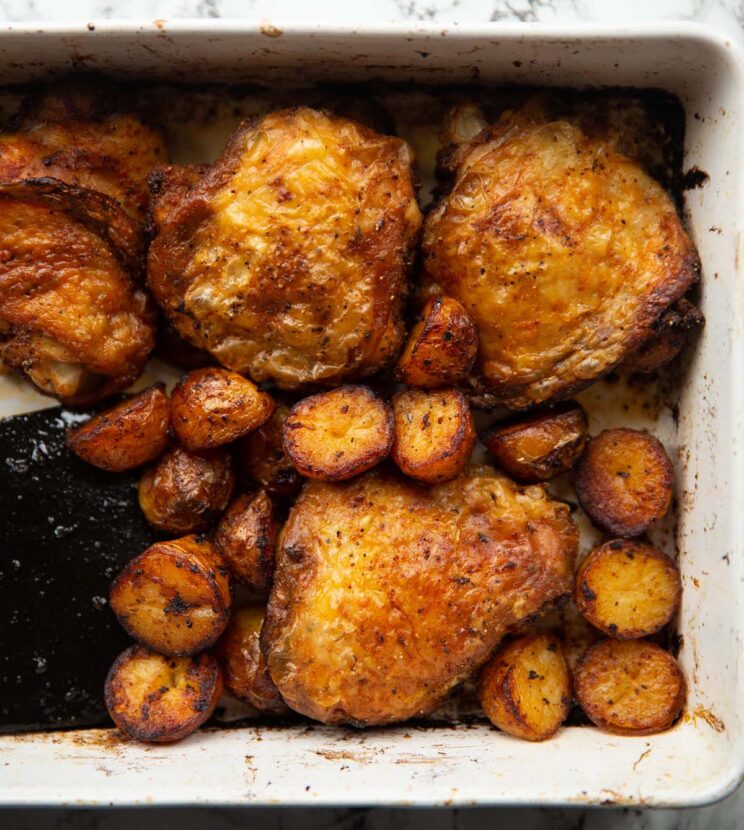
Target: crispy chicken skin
287, 259
562, 250
73, 133
387, 594
71, 315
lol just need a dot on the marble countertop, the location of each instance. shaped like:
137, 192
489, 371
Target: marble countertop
726, 15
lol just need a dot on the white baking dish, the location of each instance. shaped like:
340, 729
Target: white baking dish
702, 758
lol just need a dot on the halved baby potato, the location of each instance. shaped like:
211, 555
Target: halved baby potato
630, 687
244, 668
540, 446
246, 538
175, 597
339, 434
624, 481
525, 689
161, 699
627, 589
434, 433
126, 436
441, 348
213, 406
185, 492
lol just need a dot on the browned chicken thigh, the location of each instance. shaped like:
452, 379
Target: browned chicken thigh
287, 259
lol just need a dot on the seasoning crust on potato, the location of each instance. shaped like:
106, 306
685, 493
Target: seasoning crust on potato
630, 687
213, 406
246, 538
126, 436
185, 492
244, 668
335, 435
525, 689
540, 446
175, 597
160, 699
441, 348
627, 589
434, 433
624, 481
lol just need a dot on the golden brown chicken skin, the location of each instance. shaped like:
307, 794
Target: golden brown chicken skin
73, 132
72, 318
563, 251
287, 259
387, 594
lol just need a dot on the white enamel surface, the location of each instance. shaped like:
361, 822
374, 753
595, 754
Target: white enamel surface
695, 762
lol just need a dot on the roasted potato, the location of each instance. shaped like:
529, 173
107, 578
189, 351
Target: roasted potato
624, 481
434, 433
244, 667
246, 538
441, 348
630, 687
126, 436
213, 406
184, 492
671, 332
338, 434
161, 699
262, 459
175, 597
540, 446
525, 688
627, 589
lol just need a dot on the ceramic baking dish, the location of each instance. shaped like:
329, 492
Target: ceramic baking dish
701, 758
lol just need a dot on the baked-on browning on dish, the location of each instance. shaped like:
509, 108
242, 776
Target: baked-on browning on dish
246, 538
72, 318
434, 433
338, 434
185, 492
541, 446
388, 594
630, 687
525, 688
562, 250
214, 406
159, 699
174, 597
441, 348
126, 436
244, 667
262, 459
76, 132
627, 589
624, 481
287, 259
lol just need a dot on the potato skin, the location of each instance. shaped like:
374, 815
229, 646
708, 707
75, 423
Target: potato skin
175, 597
627, 589
244, 668
530, 666
434, 433
126, 436
387, 594
261, 456
630, 687
540, 446
441, 348
246, 538
184, 492
214, 406
624, 481
339, 434
144, 702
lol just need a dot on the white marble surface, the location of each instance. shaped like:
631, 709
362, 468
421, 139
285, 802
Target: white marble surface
727, 15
